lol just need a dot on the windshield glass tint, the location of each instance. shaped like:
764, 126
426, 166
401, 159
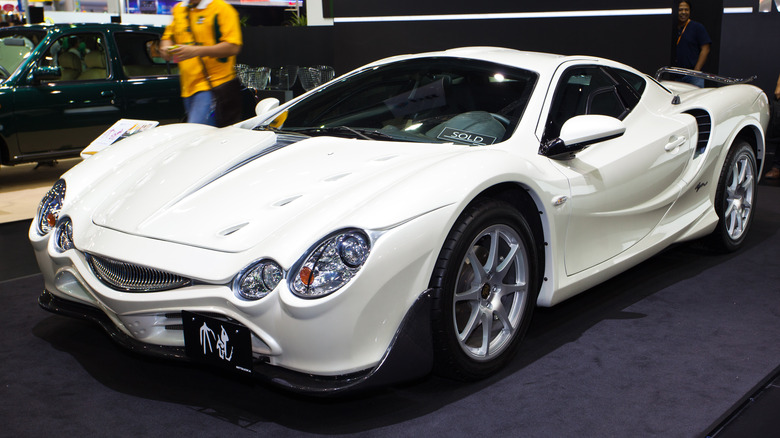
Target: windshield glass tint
430, 100
15, 47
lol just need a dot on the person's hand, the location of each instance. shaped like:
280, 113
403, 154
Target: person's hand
165, 50
180, 53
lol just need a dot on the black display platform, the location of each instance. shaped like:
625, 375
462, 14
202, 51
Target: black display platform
680, 346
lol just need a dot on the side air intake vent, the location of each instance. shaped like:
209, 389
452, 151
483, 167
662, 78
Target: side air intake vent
704, 123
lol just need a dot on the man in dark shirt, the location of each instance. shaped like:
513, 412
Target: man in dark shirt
692, 42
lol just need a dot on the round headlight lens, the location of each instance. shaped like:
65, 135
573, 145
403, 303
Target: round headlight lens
65, 235
272, 275
353, 250
49, 208
331, 265
258, 280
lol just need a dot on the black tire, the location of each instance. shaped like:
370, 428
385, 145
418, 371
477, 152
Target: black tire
735, 198
493, 301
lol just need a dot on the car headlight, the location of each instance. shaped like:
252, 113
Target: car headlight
258, 280
49, 208
64, 235
331, 264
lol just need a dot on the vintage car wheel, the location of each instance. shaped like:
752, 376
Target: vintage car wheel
735, 198
485, 284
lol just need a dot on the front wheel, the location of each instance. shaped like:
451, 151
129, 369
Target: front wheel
735, 198
485, 284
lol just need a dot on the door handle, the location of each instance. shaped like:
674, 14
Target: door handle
674, 144
109, 94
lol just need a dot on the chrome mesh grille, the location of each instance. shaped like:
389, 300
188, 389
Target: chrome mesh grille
133, 278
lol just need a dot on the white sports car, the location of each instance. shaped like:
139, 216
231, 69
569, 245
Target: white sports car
404, 217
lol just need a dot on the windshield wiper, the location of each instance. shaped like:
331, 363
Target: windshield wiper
364, 133
278, 131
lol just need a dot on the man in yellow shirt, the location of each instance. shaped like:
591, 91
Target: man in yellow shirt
204, 39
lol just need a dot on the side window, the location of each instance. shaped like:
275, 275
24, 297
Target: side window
584, 90
80, 57
140, 56
630, 86
636, 82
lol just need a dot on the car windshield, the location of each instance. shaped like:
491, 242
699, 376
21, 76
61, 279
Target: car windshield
15, 46
439, 99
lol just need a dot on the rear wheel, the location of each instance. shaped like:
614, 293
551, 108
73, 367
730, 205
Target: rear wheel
486, 283
735, 198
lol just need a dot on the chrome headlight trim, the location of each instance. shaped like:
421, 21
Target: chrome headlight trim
258, 280
331, 264
49, 208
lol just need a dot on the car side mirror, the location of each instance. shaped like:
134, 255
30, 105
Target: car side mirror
262, 108
579, 132
266, 105
45, 74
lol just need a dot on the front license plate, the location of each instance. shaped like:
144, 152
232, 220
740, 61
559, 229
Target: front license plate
215, 342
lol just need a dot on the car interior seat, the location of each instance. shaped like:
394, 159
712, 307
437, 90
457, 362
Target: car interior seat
70, 66
96, 66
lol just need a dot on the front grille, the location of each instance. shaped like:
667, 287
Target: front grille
133, 278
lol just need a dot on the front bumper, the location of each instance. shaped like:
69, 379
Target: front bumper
409, 356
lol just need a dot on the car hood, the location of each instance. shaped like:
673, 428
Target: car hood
229, 189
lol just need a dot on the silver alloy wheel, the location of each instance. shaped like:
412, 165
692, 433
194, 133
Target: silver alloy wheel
740, 192
491, 292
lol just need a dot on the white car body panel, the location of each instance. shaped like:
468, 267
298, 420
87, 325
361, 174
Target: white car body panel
204, 203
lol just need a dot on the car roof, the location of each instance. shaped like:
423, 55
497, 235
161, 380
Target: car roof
78, 27
543, 63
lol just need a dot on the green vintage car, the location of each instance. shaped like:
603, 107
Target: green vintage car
63, 85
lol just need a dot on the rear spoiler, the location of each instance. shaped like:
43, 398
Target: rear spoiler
698, 74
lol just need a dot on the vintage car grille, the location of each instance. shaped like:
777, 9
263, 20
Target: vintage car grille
133, 278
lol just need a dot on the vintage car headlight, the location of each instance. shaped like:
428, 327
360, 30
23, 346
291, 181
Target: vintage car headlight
331, 264
49, 208
64, 235
258, 280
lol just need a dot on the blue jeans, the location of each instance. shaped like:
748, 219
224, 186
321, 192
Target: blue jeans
699, 82
200, 108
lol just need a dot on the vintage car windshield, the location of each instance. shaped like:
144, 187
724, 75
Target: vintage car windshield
439, 99
15, 46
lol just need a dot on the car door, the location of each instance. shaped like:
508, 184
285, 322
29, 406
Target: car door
151, 86
620, 188
61, 116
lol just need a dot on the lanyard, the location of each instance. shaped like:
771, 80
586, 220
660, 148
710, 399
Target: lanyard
683, 31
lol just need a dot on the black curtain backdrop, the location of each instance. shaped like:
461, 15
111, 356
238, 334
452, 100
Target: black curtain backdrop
363, 8
750, 44
642, 41
744, 44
